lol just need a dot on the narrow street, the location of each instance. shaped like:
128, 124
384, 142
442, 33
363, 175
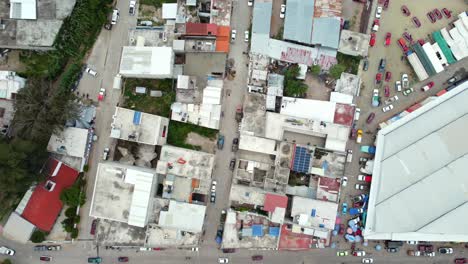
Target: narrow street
105, 59
234, 91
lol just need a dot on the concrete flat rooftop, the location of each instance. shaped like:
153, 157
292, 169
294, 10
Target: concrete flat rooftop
34, 34
328, 163
114, 233
112, 196
146, 130
185, 163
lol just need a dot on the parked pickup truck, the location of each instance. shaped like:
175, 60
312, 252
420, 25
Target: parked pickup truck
368, 149
355, 211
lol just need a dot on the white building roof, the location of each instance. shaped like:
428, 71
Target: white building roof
257, 144
212, 95
276, 124
169, 11
419, 183
139, 127
183, 217
143, 182
147, 62
18, 229
23, 9
183, 81
341, 98
310, 109
314, 213
10, 83
123, 193
72, 141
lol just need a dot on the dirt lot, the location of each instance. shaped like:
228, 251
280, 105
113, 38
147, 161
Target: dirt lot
317, 89
11, 62
206, 144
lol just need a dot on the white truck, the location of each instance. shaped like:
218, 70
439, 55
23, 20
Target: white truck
132, 7
117, 82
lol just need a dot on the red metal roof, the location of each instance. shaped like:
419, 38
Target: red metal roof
344, 114
223, 39
44, 206
272, 201
201, 29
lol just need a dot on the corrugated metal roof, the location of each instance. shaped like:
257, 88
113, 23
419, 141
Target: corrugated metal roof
262, 17
423, 153
298, 20
326, 32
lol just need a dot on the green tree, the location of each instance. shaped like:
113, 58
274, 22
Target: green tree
68, 224
7, 261
70, 212
296, 88
293, 86
315, 69
20, 162
39, 114
74, 233
336, 70
72, 197
38, 236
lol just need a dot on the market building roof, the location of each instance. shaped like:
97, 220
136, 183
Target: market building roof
422, 159
45, 205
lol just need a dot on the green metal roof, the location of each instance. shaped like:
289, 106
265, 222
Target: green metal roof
443, 46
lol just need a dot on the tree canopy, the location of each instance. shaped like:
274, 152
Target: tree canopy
20, 162
293, 86
39, 112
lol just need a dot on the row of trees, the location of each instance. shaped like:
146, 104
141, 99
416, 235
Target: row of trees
47, 102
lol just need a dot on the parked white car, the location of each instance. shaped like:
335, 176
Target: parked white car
250, 3
398, 86
246, 36
91, 72
344, 181
282, 11
115, 16
387, 108
378, 13
233, 35
367, 260
223, 260
7, 251
405, 81
357, 113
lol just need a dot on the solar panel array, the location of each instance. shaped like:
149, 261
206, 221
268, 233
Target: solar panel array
301, 160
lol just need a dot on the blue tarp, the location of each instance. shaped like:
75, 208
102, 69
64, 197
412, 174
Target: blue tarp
137, 118
274, 231
257, 230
